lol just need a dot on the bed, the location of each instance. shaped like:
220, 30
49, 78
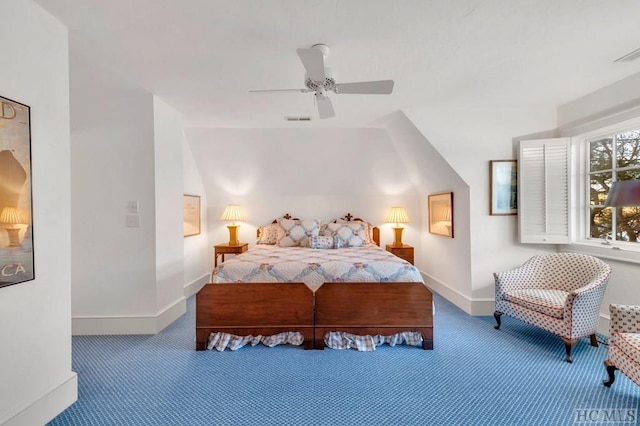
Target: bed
345, 291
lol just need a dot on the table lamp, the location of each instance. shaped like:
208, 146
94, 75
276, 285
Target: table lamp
10, 216
232, 213
397, 215
624, 193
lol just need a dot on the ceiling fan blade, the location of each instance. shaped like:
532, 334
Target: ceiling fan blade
313, 62
381, 87
280, 90
325, 107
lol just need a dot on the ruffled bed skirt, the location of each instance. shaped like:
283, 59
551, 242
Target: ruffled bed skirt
333, 340
342, 340
222, 341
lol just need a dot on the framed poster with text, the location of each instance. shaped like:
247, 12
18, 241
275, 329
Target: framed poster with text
16, 214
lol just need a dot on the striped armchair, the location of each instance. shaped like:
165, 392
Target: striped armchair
559, 292
624, 343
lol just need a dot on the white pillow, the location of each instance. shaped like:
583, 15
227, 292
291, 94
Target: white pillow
349, 234
367, 227
268, 234
296, 233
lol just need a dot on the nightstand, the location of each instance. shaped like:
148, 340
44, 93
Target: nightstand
222, 249
404, 251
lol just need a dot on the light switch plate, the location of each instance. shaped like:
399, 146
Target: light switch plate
133, 221
133, 206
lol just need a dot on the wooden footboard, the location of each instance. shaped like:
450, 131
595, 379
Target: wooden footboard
255, 308
374, 308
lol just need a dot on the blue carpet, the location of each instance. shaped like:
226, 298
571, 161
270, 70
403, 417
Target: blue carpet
476, 375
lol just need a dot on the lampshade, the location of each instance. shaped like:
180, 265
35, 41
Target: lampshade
397, 215
624, 193
10, 216
232, 213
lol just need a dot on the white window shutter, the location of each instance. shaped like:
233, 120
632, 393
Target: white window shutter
543, 191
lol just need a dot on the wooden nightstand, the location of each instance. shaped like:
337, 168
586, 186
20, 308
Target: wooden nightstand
222, 249
404, 252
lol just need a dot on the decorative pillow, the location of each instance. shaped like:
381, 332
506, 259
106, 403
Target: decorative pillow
294, 233
350, 234
367, 227
321, 242
268, 234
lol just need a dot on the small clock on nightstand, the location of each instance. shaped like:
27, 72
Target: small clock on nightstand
403, 251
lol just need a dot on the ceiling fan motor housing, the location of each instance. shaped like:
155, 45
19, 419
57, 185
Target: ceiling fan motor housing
329, 82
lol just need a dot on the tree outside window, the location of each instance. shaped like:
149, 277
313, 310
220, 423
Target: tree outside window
612, 158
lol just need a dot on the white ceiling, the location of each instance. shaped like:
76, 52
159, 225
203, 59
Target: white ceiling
203, 56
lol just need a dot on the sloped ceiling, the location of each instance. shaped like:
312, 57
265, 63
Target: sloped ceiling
203, 56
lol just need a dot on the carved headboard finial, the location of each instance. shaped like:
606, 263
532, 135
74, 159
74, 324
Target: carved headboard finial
285, 216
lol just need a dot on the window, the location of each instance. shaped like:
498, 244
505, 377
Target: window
612, 157
561, 197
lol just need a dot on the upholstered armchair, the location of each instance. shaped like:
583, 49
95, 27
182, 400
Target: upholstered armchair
558, 292
624, 343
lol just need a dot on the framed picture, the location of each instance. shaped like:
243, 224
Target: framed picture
504, 187
191, 215
441, 214
16, 214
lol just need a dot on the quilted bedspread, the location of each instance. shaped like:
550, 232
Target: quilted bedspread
268, 263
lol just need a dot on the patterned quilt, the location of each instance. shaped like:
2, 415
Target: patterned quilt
268, 263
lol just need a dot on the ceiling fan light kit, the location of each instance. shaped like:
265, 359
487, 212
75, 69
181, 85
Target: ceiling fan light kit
319, 79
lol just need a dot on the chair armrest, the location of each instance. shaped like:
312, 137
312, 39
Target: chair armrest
595, 284
586, 300
624, 319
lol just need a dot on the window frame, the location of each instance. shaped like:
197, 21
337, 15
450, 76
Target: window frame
580, 240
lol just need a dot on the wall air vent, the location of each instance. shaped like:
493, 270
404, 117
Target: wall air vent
632, 56
297, 118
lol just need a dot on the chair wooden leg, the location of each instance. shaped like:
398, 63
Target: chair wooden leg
568, 345
594, 341
497, 315
611, 371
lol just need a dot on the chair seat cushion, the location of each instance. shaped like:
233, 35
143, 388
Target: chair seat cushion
629, 343
547, 302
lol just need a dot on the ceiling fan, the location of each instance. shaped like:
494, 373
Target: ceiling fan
320, 80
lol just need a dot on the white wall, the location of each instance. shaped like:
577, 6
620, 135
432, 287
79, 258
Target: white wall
168, 141
197, 251
36, 381
468, 135
468, 132
112, 153
126, 151
321, 173
445, 262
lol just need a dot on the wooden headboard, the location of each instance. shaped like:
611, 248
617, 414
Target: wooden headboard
348, 217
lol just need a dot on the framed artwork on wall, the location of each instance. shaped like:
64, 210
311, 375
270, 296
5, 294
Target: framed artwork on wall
441, 214
191, 205
503, 187
16, 214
